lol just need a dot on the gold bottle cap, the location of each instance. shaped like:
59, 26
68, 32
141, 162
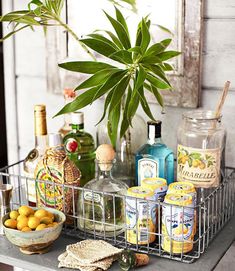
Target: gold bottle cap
40, 124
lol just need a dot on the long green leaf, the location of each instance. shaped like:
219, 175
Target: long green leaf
145, 36
157, 82
119, 91
121, 32
89, 67
157, 72
111, 81
122, 56
156, 93
81, 101
158, 48
96, 79
168, 54
106, 104
99, 46
113, 123
141, 76
125, 121
149, 59
13, 32
104, 39
167, 67
144, 104
122, 20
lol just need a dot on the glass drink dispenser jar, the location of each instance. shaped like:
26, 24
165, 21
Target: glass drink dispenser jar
201, 149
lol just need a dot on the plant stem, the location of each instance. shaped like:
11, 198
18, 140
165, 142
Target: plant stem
69, 30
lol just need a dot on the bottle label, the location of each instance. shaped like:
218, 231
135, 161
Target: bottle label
71, 145
199, 166
147, 168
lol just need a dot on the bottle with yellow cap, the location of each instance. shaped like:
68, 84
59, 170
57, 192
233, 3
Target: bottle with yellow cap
140, 215
177, 223
30, 162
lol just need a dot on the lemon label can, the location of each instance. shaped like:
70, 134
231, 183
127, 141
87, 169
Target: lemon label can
140, 216
158, 185
177, 223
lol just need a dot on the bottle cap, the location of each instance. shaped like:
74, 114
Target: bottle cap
54, 140
77, 118
154, 129
105, 154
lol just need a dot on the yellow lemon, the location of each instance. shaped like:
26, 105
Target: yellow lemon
11, 223
51, 216
55, 224
23, 222
26, 229
41, 227
46, 220
33, 222
14, 214
50, 225
40, 213
25, 210
21, 217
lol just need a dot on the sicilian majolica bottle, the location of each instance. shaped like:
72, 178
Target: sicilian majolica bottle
154, 159
80, 148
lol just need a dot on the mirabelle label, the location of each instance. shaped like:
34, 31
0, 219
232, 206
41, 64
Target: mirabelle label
199, 166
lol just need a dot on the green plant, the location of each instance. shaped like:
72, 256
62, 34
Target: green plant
135, 69
141, 68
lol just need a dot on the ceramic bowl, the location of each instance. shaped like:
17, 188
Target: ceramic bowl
35, 241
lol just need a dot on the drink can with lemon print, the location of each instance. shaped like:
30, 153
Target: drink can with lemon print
185, 188
177, 223
140, 215
158, 185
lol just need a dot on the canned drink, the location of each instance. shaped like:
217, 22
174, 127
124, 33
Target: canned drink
158, 185
177, 223
140, 215
185, 188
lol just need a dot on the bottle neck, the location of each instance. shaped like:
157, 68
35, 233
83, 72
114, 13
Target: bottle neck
104, 170
78, 127
155, 140
41, 142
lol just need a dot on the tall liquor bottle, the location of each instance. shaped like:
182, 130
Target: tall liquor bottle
80, 148
30, 162
154, 159
69, 96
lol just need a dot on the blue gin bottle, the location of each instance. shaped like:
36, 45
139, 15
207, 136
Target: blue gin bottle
154, 159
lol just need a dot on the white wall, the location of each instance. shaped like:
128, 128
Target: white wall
218, 66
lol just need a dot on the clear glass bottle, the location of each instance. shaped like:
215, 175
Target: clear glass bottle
134, 138
80, 148
201, 149
154, 159
35, 155
69, 95
101, 213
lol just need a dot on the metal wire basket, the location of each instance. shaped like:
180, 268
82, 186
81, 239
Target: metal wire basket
214, 210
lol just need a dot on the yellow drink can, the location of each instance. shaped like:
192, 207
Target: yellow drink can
140, 215
158, 185
177, 223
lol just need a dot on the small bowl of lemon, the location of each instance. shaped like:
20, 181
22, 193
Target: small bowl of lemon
33, 230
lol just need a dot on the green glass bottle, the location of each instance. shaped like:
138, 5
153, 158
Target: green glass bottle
80, 148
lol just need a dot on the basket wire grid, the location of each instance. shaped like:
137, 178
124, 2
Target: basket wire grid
213, 211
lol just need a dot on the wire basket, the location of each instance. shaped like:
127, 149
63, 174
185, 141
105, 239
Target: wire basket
214, 210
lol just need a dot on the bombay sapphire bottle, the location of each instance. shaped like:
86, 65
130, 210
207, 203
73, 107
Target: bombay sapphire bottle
154, 159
